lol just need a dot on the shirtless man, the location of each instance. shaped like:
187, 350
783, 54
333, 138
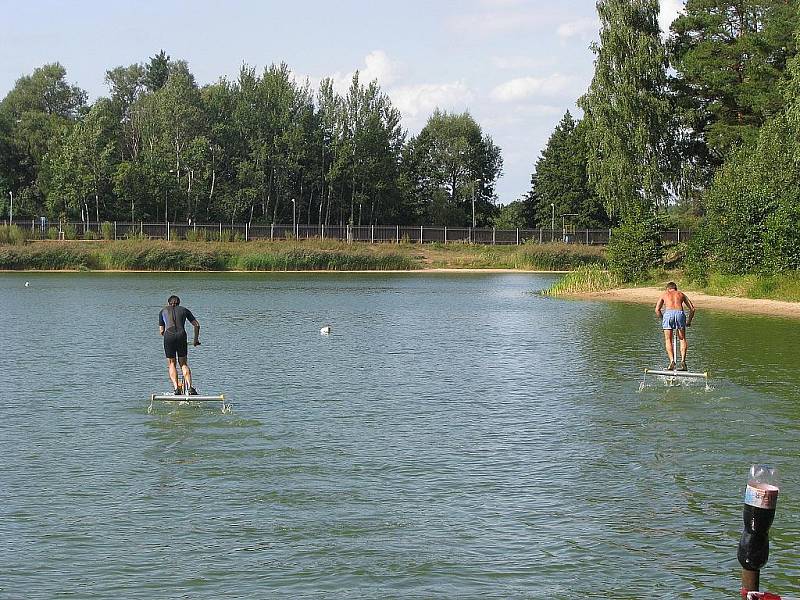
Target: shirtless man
673, 317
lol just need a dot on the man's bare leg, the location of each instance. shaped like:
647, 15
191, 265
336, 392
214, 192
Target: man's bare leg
684, 344
173, 373
668, 346
187, 374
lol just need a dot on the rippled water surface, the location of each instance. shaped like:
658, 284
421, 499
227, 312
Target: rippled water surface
457, 436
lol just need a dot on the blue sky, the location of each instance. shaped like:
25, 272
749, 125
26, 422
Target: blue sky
516, 65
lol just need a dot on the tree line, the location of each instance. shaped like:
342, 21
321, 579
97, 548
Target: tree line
701, 129
264, 148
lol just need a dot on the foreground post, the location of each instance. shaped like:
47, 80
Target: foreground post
760, 500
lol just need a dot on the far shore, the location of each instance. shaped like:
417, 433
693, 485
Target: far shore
649, 295
307, 271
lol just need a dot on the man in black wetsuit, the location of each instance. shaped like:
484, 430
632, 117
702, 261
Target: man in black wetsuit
171, 324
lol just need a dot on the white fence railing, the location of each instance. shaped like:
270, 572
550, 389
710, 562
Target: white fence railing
114, 230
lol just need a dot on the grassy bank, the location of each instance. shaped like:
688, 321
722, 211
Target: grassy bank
308, 255
784, 286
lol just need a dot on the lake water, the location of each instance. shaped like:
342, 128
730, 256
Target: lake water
457, 436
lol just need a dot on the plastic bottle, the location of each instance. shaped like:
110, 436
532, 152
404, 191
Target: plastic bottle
760, 499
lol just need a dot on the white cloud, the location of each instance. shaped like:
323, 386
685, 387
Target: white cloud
522, 88
526, 63
584, 28
669, 11
377, 65
496, 22
420, 100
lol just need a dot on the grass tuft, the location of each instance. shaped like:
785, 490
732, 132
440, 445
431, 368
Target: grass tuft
584, 280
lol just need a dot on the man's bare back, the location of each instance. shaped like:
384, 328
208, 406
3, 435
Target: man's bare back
669, 309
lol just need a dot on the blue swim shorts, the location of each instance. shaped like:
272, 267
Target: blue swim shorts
674, 319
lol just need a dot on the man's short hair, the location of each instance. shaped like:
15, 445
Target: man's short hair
672, 285
173, 301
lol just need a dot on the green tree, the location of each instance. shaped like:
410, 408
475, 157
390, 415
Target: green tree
628, 118
38, 112
81, 168
157, 72
560, 183
511, 216
448, 165
730, 57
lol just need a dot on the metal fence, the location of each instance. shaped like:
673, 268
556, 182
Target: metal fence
42, 229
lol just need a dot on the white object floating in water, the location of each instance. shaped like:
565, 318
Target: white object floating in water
325, 330
27, 283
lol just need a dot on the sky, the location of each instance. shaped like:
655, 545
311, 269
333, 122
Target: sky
516, 65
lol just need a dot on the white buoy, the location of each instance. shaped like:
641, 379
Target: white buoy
27, 283
325, 330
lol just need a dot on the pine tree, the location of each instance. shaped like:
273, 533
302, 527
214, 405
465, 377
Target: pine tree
560, 183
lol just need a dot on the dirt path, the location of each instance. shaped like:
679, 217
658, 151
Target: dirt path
649, 295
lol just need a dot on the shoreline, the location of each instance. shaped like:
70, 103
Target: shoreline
731, 304
444, 270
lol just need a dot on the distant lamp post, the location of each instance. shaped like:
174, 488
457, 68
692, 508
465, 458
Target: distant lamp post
474, 189
294, 217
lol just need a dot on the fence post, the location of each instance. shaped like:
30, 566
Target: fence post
220, 232
323, 231
247, 232
167, 230
679, 235
445, 234
115, 231
271, 231
587, 237
398, 234
517, 236
372, 234
470, 235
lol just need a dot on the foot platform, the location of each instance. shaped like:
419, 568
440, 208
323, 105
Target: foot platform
665, 373
226, 407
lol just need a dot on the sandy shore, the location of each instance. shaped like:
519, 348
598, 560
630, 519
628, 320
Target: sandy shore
649, 295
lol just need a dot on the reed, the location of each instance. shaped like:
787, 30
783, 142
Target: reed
12, 234
583, 280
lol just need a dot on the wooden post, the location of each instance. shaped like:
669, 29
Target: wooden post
167, 230
372, 234
540, 235
750, 580
398, 234
445, 234
420, 233
517, 236
220, 232
679, 235
115, 231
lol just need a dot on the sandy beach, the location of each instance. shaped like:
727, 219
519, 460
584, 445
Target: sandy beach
649, 295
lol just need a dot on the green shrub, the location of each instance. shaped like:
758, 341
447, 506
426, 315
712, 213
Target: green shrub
226, 235
634, 249
12, 234
90, 234
197, 235
52, 233
107, 230
70, 232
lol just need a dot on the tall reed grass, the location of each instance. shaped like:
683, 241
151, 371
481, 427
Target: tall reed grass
583, 280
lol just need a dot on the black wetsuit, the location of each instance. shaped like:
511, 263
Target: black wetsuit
173, 320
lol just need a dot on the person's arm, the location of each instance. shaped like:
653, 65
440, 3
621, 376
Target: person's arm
196, 325
690, 306
161, 324
659, 304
